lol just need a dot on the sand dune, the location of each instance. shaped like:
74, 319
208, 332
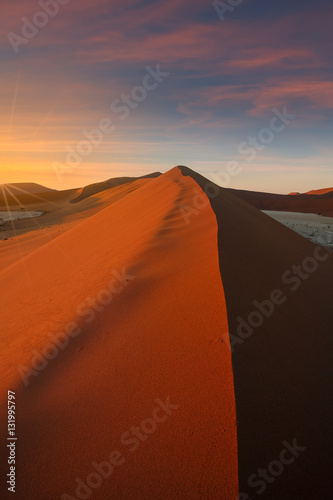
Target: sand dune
61, 206
317, 191
59, 216
23, 193
149, 279
283, 369
17, 188
23, 199
99, 187
320, 203
163, 335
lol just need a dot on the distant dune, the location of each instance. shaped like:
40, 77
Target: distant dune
26, 187
111, 183
119, 322
17, 197
24, 194
317, 201
21, 192
321, 191
306, 203
60, 215
317, 191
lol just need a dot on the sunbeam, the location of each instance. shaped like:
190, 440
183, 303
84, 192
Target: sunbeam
12, 112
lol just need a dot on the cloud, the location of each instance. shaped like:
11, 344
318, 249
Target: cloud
225, 77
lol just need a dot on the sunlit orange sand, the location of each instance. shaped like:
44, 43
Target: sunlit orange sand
116, 323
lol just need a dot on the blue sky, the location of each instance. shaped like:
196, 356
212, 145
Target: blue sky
224, 80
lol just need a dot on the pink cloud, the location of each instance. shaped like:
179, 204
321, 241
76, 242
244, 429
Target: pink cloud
263, 97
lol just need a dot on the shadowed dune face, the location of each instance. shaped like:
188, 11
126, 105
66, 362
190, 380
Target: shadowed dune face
283, 370
17, 188
24, 194
317, 202
165, 333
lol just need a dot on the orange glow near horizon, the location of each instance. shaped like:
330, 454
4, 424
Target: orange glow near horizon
223, 82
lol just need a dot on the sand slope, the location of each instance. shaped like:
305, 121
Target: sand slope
59, 217
183, 284
99, 187
283, 371
163, 335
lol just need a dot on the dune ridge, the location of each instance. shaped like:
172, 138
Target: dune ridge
283, 370
163, 335
189, 269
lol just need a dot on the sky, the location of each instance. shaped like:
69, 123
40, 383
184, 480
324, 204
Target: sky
240, 91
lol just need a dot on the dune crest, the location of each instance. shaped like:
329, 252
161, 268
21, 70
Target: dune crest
164, 335
282, 366
157, 298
